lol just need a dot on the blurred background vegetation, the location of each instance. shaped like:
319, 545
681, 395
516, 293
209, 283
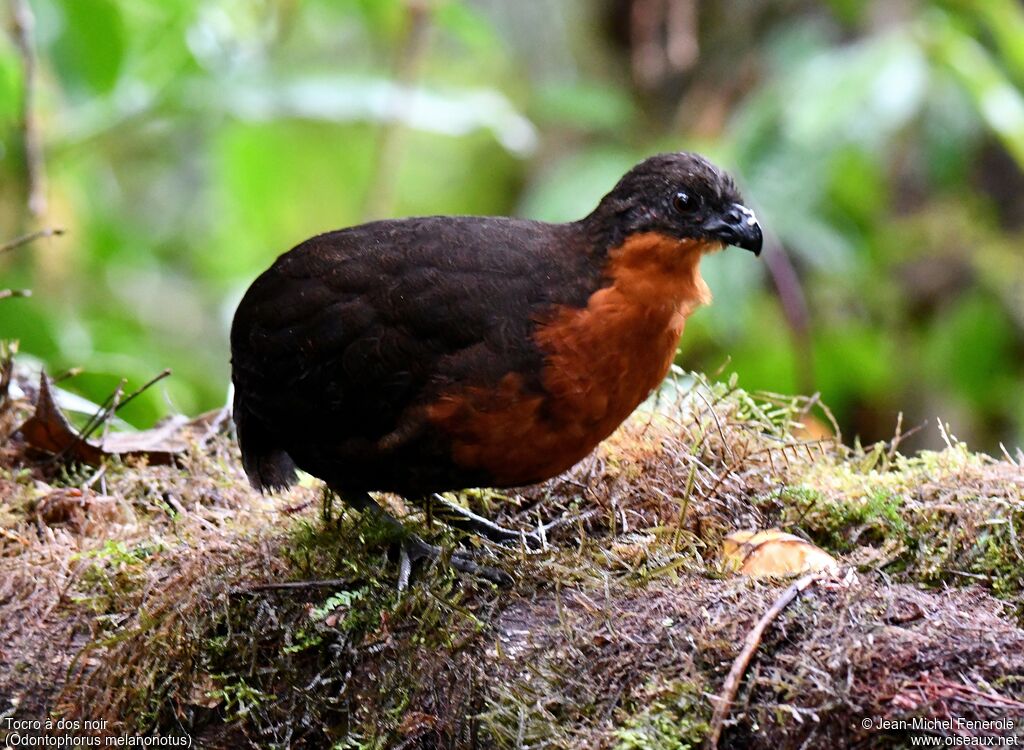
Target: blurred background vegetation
186, 143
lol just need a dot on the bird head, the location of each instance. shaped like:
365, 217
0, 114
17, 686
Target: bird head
680, 195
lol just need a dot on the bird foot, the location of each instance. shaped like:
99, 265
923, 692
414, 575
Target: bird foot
414, 549
513, 538
466, 520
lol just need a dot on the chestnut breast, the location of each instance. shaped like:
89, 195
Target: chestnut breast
600, 362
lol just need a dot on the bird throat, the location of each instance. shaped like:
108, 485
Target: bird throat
600, 362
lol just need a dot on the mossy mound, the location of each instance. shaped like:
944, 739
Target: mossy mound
175, 600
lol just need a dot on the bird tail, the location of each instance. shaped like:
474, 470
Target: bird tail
268, 467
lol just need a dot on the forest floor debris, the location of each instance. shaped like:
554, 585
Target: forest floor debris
174, 599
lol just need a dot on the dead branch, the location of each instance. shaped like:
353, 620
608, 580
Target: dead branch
23, 25
31, 237
19, 242
732, 682
114, 403
290, 585
791, 295
7, 352
413, 51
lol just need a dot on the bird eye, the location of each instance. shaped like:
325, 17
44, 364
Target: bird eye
683, 202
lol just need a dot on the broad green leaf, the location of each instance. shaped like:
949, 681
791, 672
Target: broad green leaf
91, 45
999, 102
585, 106
571, 187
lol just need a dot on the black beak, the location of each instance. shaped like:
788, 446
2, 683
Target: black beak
737, 226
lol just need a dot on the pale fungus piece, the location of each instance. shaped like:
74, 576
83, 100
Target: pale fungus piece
773, 553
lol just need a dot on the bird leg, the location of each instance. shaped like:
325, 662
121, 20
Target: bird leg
414, 548
466, 520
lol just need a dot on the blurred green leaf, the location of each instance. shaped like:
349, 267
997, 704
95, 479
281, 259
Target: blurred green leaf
467, 25
857, 187
849, 11
572, 187
1004, 20
855, 361
343, 99
282, 182
384, 18
443, 176
585, 106
10, 86
91, 46
999, 103
863, 92
970, 344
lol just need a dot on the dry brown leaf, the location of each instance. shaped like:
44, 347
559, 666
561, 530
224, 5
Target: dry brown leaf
76, 508
49, 430
204, 692
417, 723
772, 553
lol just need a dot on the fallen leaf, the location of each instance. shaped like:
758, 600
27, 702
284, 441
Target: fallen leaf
417, 723
76, 508
772, 553
164, 440
49, 430
14, 537
203, 692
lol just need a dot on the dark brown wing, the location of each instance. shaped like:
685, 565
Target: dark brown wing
335, 342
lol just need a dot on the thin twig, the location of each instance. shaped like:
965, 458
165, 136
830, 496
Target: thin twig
732, 681
7, 353
566, 520
9, 293
291, 585
102, 415
71, 372
31, 237
114, 403
110, 406
291, 509
794, 308
114, 406
143, 388
718, 423
410, 57
23, 25
894, 444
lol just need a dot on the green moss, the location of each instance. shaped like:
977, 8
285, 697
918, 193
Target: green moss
676, 718
1000, 556
114, 571
236, 696
193, 632
842, 522
964, 533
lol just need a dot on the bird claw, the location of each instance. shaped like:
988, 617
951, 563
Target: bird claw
466, 520
533, 541
404, 569
465, 564
414, 549
510, 538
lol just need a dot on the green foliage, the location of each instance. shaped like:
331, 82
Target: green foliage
237, 696
870, 519
112, 571
675, 720
188, 143
89, 63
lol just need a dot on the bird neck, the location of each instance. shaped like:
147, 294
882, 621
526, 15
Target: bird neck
659, 274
